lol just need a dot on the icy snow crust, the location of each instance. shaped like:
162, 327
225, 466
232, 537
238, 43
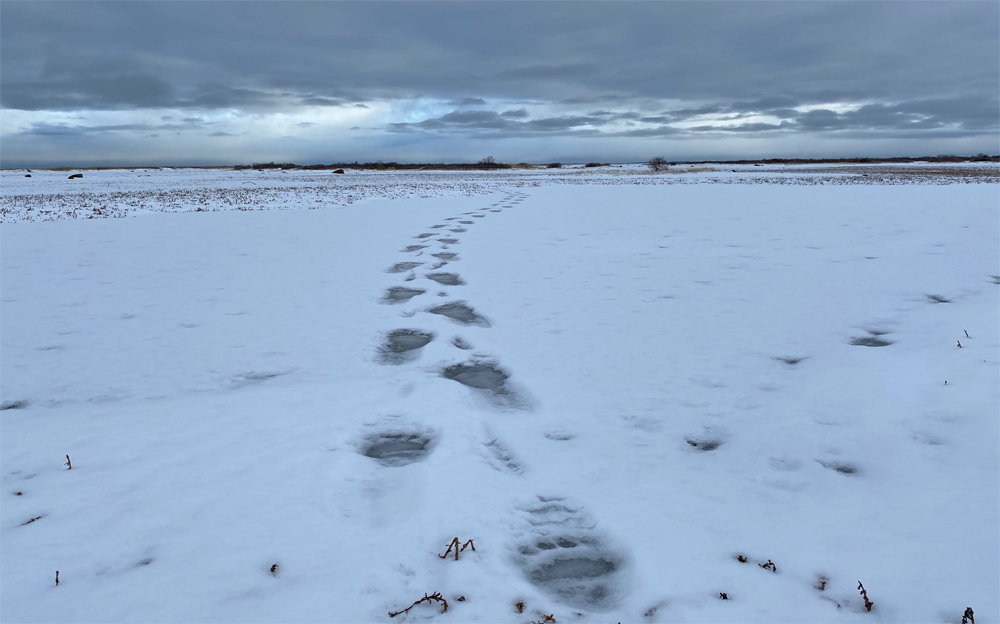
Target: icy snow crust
620, 386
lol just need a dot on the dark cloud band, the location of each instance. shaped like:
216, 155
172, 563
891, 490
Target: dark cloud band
514, 70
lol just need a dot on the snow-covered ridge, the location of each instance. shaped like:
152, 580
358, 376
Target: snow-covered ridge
49, 195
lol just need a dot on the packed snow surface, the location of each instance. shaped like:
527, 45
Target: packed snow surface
701, 400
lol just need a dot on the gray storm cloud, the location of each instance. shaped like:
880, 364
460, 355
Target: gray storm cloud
604, 72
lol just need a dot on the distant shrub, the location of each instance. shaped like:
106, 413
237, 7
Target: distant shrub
596, 165
490, 163
657, 163
554, 166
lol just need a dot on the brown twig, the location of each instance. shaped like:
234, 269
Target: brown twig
967, 334
452, 544
455, 544
68, 464
864, 594
969, 617
274, 570
724, 595
821, 582
57, 578
435, 596
548, 618
741, 558
959, 344
520, 607
32, 520
769, 566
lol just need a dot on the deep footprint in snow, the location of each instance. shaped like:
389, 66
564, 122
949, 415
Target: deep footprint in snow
458, 230
410, 248
482, 375
403, 345
466, 222
445, 255
461, 313
874, 339
791, 361
403, 267
461, 343
425, 235
400, 294
563, 555
559, 435
839, 466
448, 241
704, 444
448, 279
397, 448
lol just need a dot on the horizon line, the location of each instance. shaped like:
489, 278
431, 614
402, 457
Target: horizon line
497, 165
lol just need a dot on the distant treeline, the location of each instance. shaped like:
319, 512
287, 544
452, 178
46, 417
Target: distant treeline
380, 166
945, 158
488, 164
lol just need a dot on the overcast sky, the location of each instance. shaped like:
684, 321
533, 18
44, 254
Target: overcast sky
224, 83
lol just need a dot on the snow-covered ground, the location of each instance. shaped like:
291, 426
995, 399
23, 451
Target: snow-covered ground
48, 195
619, 387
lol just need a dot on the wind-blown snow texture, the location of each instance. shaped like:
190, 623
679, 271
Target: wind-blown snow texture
617, 389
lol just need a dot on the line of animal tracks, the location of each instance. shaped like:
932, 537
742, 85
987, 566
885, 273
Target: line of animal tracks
434, 258
557, 548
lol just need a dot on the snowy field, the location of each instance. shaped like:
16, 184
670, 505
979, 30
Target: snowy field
43, 195
716, 396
